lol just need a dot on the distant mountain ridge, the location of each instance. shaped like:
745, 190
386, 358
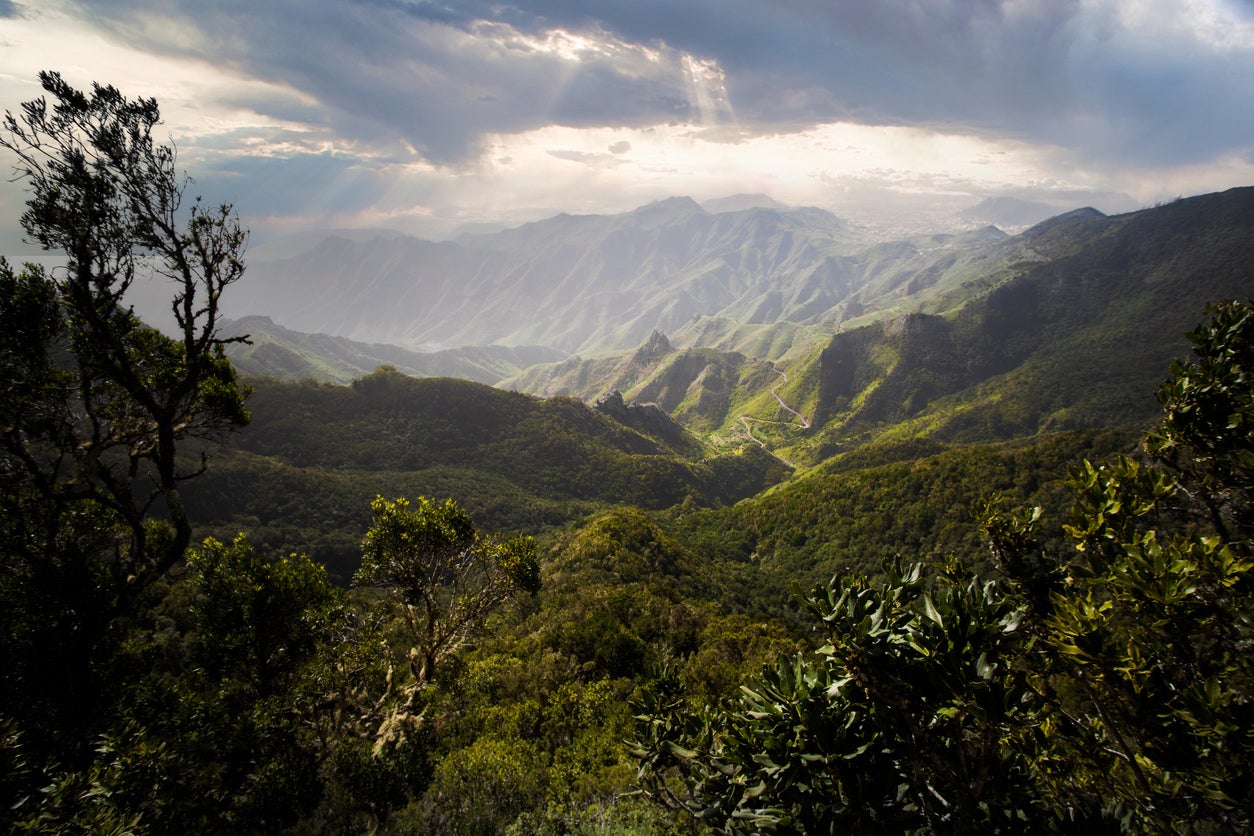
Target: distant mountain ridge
1009, 213
275, 351
1079, 338
741, 202
966, 337
1070, 324
575, 283
764, 277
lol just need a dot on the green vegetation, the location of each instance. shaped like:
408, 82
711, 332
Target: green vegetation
100, 412
1101, 686
100, 403
274, 351
315, 456
356, 663
1067, 326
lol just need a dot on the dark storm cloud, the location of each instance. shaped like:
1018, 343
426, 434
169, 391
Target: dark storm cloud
416, 72
1058, 71
441, 75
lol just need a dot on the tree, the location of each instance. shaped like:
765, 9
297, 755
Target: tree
97, 404
277, 701
1207, 434
244, 701
1144, 649
98, 409
447, 580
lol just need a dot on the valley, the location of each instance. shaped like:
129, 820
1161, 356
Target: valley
626, 419
973, 337
730, 423
689, 491
1056, 336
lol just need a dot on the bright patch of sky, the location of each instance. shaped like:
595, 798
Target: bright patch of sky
426, 117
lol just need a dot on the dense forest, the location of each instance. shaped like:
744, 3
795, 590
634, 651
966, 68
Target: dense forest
983, 587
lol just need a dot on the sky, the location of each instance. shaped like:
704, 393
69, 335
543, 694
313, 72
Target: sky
434, 117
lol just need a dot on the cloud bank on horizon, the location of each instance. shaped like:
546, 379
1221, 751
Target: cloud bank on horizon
428, 115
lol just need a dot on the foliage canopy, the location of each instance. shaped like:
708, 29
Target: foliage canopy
1105, 684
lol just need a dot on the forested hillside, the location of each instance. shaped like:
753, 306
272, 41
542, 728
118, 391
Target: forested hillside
1091, 684
315, 455
1065, 326
1075, 337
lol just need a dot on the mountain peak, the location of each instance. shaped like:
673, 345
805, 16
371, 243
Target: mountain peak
1008, 212
1067, 220
741, 202
669, 207
1083, 212
654, 348
647, 418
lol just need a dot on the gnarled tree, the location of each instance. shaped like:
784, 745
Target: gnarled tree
448, 581
97, 409
97, 403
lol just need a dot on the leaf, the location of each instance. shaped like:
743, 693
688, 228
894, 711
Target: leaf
929, 609
755, 791
835, 688
984, 668
679, 751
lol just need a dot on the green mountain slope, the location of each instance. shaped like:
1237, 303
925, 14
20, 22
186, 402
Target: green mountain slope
911, 500
707, 390
1077, 339
588, 379
1069, 325
303, 474
275, 351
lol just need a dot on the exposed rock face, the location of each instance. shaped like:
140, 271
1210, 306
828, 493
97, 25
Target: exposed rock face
648, 418
654, 349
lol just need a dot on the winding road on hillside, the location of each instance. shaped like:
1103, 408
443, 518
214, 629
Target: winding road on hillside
805, 422
746, 420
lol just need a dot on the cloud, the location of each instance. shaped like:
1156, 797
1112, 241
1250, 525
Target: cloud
1118, 79
316, 183
585, 157
1114, 79
414, 73
473, 110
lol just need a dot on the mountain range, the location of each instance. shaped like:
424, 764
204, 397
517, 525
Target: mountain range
1070, 324
275, 351
785, 327
598, 283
